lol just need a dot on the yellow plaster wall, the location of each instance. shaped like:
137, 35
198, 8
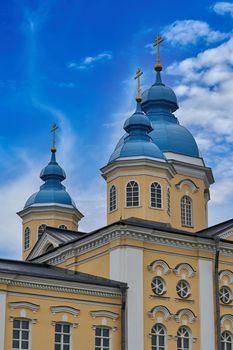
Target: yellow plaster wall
144, 211
83, 336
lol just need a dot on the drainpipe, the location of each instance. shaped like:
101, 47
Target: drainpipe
217, 303
123, 318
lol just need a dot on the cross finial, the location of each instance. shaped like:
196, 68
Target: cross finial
53, 130
138, 77
157, 42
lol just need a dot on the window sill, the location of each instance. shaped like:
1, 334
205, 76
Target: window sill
112, 211
190, 301
156, 208
139, 206
153, 296
187, 226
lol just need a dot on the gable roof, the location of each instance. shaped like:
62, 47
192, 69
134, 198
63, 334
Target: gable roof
39, 270
216, 230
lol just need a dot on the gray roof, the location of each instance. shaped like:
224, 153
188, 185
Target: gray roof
37, 270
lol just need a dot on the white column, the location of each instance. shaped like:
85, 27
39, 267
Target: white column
206, 298
2, 318
126, 265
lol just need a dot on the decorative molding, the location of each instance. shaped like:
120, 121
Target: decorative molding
105, 292
185, 312
159, 263
184, 266
227, 317
166, 313
33, 321
227, 273
104, 313
74, 325
66, 309
189, 183
24, 305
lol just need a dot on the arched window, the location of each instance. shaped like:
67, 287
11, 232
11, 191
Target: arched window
158, 337
27, 238
63, 227
186, 211
41, 230
168, 201
112, 198
132, 194
184, 339
226, 341
156, 195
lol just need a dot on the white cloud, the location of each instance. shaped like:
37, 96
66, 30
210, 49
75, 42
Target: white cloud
190, 31
222, 8
204, 86
89, 61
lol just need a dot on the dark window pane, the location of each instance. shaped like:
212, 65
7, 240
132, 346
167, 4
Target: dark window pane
98, 331
25, 324
66, 328
58, 327
57, 338
66, 339
24, 344
97, 341
57, 347
16, 324
15, 344
15, 334
106, 342
66, 347
25, 335
105, 332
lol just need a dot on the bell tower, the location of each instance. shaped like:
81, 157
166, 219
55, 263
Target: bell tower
50, 206
156, 171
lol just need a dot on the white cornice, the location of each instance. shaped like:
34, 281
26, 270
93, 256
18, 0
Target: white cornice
60, 286
104, 313
51, 208
24, 305
65, 309
117, 232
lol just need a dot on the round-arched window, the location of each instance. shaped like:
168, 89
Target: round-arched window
158, 337
63, 227
226, 341
156, 195
186, 211
183, 289
184, 339
27, 238
225, 295
112, 198
41, 230
132, 194
158, 286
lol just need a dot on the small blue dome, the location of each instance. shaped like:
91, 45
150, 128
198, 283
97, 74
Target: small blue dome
52, 191
159, 93
137, 141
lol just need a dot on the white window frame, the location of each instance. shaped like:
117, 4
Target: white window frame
223, 341
62, 323
109, 206
168, 190
221, 297
162, 282
38, 234
139, 195
157, 347
101, 337
27, 232
21, 319
183, 212
190, 339
188, 287
150, 201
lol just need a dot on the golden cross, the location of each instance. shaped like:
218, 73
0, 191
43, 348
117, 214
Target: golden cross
53, 130
138, 76
158, 41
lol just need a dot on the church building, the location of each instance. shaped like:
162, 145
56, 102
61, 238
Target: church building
156, 277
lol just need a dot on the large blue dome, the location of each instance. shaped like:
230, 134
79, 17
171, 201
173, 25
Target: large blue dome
52, 191
137, 142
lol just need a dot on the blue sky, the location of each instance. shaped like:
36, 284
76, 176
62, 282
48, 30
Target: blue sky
72, 62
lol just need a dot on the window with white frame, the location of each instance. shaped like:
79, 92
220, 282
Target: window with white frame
158, 286
184, 339
226, 341
41, 230
62, 336
156, 195
112, 198
27, 238
225, 295
183, 289
186, 211
63, 227
168, 201
132, 194
21, 334
102, 338
158, 337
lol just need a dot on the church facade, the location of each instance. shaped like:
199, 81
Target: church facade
155, 277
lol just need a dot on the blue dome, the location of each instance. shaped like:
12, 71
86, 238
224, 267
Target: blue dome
158, 103
52, 191
137, 142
